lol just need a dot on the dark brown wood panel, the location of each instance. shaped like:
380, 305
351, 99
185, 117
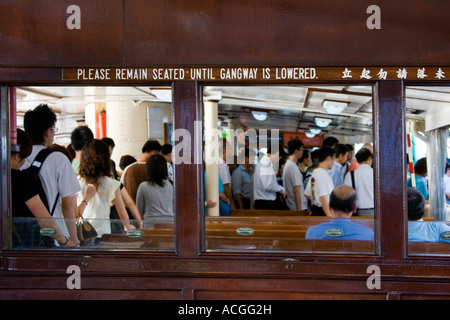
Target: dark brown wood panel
189, 202
34, 33
4, 168
284, 32
390, 186
255, 32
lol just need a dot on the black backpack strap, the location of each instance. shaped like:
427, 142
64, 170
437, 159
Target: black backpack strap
39, 160
54, 204
353, 179
36, 167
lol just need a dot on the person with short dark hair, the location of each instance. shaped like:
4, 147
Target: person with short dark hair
447, 181
241, 182
423, 231
340, 153
136, 173
320, 185
78, 138
57, 175
330, 142
350, 154
126, 160
420, 173
265, 186
155, 196
26, 202
166, 152
111, 145
361, 180
293, 179
340, 227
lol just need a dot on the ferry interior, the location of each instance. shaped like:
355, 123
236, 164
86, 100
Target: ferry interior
133, 114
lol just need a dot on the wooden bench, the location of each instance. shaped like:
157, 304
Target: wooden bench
276, 234
265, 213
428, 248
276, 222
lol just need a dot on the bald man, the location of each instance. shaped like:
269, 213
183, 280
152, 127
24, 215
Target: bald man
340, 227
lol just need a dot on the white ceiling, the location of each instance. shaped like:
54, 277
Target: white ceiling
291, 108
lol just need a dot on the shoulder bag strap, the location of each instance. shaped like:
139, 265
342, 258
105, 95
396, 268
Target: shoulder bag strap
353, 179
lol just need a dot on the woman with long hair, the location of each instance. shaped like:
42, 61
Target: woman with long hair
154, 198
95, 169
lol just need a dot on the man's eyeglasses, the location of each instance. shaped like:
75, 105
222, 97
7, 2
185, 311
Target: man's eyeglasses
55, 129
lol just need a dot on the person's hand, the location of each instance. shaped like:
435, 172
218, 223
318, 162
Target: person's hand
90, 192
72, 243
211, 204
129, 227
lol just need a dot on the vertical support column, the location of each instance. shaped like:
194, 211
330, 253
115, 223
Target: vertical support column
390, 168
4, 168
436, 169
13, 115
211, 156
188, 176
128, 127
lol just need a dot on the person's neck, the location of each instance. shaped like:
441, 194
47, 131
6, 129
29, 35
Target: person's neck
302, 167
340, 214
322, 165
293, 158
78, 155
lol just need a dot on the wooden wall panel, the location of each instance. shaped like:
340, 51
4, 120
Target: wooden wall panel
203, 32
34, 33
285, 32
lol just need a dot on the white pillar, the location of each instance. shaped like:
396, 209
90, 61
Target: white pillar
211, 166
127, 126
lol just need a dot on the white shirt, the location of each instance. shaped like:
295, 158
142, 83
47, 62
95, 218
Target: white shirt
57, 175
265, 181
363, 186
292, 178
447, 186
224, 172
323, 186
98, 209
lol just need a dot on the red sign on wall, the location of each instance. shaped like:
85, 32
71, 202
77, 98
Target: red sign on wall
316, 141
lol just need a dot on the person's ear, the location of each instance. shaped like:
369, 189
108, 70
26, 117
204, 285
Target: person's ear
16, 157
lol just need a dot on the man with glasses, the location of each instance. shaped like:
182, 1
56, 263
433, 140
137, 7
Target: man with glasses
58, 179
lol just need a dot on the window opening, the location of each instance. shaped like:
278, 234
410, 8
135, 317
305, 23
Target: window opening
255, 183
107, 140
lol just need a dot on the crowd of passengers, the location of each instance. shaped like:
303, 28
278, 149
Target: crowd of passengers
81, 180
325, 182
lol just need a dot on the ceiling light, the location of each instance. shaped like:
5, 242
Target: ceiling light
163, 94
259, 115
314, 130
323, 122
309, 134
334, 107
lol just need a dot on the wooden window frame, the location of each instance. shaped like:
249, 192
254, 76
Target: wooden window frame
189, 258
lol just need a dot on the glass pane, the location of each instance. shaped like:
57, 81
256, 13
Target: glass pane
277, 169
32, 233
109, 139
428, 175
